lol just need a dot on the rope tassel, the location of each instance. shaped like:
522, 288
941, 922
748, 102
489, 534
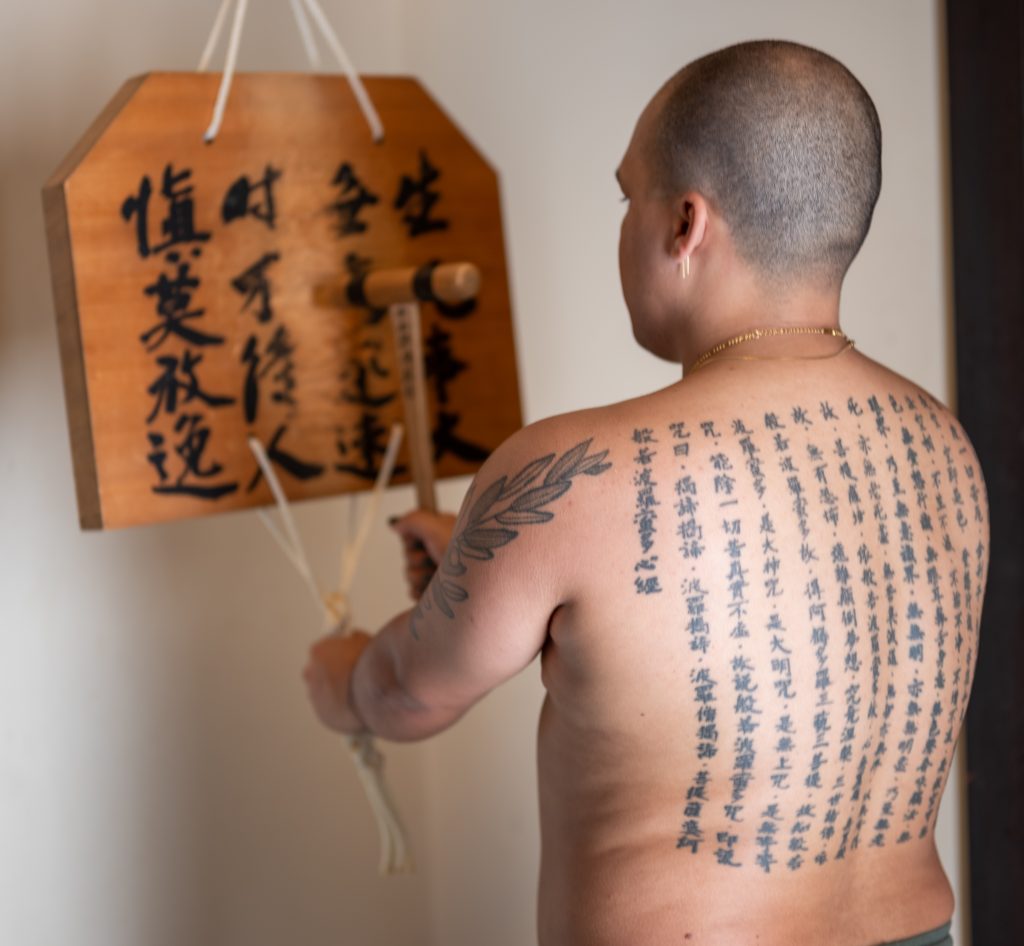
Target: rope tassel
369, 761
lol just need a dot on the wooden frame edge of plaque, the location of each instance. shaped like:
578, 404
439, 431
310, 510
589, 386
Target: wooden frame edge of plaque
69, 339
480, 152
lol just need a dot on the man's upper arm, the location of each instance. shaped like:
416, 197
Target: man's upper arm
485, 613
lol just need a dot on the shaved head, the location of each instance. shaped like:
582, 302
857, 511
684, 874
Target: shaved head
786, 145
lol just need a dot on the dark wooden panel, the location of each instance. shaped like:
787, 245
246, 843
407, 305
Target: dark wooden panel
986, 65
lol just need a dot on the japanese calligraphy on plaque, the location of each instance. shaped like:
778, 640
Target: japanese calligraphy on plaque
185, 274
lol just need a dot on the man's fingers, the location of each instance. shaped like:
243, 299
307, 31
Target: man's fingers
430, 529
425, 537
417, 580
420, 560
415, 549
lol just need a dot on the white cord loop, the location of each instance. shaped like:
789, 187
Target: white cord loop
229, 70
312, 53
394, 852
301, 21
358, 89
214, 37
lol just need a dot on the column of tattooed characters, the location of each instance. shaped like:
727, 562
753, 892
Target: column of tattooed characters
952, 481
915, 649
868, 582
691, 547
645, 515
922, 439
922, 519
747, 708
810, 799
848, 615
779, 650
928, 434
854, 601
827, 504
914, 639
880, 522
960, 579
979, 571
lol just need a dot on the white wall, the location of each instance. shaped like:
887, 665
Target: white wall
160, 780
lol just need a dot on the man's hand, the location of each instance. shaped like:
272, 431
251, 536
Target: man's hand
425, 537
332, 659
328, 677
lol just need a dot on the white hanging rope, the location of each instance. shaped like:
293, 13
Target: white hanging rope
355, 550
358, 89
291, 544
394, 852
229, 69
312, 53
330, 37
214, 37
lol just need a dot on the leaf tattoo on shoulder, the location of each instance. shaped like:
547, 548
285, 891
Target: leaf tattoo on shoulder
494, 518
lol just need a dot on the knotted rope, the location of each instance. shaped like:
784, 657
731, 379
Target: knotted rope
394, 852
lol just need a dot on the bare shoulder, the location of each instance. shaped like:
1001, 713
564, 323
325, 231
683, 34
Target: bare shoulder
547, 472
956, 440
560, 448
594, 442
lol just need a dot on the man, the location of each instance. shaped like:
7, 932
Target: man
755, 594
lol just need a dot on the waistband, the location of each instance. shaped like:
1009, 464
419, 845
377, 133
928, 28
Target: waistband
940, 936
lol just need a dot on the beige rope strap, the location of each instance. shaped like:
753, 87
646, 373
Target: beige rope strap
395, 856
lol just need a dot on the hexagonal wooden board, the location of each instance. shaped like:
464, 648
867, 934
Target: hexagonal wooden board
184, 277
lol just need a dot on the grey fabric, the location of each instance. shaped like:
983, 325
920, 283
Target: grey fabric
940, 936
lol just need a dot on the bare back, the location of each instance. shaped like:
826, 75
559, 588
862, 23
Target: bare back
757, 681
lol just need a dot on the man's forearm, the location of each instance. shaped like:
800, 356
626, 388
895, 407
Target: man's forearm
377, 694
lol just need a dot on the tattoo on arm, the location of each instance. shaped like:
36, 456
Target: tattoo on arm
492, 519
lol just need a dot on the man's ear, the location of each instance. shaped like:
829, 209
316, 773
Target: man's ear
691, 224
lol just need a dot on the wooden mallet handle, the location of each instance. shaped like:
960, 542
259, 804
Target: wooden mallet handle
405, 321
450, 283
399, 290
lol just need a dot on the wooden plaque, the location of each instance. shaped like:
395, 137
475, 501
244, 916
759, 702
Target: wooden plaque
185, 273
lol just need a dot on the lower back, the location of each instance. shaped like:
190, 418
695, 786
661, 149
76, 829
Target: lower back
612, 874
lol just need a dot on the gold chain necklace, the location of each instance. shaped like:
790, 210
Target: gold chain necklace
765, 332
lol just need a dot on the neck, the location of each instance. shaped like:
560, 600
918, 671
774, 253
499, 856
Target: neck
724, 318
